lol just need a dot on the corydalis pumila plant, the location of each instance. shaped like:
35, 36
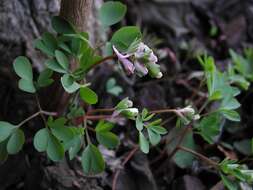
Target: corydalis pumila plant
70, 132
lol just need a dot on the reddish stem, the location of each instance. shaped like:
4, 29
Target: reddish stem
104, 59
127, 158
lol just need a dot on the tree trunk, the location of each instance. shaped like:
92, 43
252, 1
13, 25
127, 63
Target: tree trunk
77, 12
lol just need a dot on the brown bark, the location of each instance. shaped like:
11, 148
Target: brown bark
77, 12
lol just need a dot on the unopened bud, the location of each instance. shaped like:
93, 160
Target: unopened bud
130, 112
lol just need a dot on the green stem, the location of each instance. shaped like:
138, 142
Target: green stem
41, 112
86, 131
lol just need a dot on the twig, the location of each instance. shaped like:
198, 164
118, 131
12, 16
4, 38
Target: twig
179, 142
102, 110
201, 156
127, 158
39, 106
104, 59
35, 115
203, 106
164, 111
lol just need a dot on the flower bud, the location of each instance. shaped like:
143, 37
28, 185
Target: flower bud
187, 110
124, 104
154, 70
130, 113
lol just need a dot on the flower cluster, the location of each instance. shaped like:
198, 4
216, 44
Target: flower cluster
143, 61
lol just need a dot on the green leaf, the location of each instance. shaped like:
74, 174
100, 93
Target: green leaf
215, 96
26, 85
3, 151
62, 59
154, 138
108, 139
156, 123
47, 44
124, 37
103, 126
138, 123
55, 66
92, 160
89, 58
44, 78
75, 148
231, 185
55, 150
209, 127
242, 65
59, 122
50, 41
62, 26
112, 12
40, 45
144, 144
62, 133
229, 103
112, 88
88, 95
40, 140
69, 84
231, 115
104, 136
23, 68
5, 130
239, 81
158, 129
16, 142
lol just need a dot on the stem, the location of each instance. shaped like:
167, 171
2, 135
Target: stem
201, 156
39, 106
104, 59
86, 131
97, 117
164, 111
35, 115
127, 158
203, 106
184, 132
102, 110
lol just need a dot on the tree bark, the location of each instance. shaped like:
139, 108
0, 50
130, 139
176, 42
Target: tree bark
77, 12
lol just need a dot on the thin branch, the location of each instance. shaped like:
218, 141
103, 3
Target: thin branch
164, 111
86, 131
40, 109
201, 156
35, 115
127, 158
104, 59
97, 117
102, 110
181, 138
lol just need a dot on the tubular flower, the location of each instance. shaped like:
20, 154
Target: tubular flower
142, 60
